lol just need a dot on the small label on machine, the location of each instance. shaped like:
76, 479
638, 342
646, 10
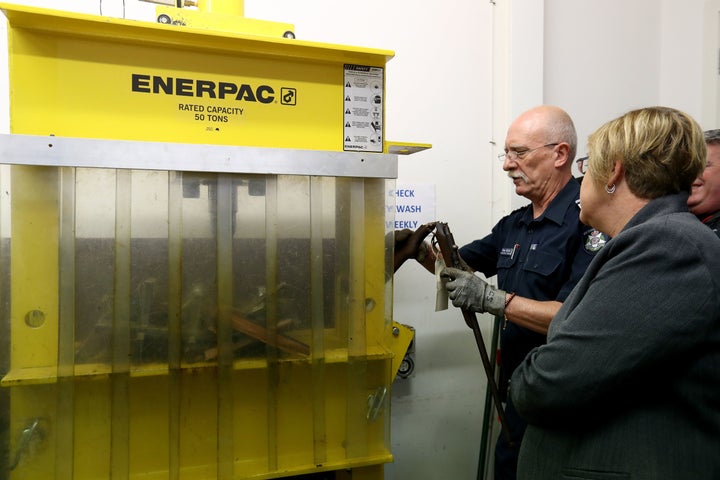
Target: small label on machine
363, 106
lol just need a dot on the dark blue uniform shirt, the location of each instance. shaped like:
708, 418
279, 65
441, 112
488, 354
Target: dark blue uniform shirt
541, 259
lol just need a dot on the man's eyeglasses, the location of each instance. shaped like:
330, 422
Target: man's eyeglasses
515, 154
582, 164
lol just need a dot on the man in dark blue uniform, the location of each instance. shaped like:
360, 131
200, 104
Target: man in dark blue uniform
538, 252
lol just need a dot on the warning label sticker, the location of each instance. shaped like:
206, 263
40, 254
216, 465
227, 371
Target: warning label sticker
363, 105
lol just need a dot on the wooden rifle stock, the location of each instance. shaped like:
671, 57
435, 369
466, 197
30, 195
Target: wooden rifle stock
451, 257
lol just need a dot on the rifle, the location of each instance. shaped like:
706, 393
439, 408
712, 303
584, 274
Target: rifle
449, 251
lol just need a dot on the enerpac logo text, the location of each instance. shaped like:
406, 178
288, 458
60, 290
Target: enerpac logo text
187, 87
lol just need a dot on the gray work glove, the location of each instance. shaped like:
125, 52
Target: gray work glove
470, 292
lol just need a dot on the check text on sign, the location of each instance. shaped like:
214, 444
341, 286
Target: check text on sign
413, 204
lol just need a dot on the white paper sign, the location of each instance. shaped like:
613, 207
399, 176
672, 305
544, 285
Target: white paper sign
413, 205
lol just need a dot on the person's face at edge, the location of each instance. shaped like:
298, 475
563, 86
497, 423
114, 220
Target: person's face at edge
705, 191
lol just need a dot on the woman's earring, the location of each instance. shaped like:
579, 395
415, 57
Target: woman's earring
610, 190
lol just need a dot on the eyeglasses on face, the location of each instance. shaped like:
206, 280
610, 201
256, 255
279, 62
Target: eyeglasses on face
515, 154
582, 164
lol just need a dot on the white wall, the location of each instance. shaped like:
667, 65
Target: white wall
601, 60
604, 58
463, 69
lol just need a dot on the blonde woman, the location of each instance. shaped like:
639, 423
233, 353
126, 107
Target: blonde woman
628, 384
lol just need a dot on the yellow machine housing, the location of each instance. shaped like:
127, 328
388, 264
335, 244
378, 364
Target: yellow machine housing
195, 281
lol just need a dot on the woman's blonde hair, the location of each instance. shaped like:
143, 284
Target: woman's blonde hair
662, 151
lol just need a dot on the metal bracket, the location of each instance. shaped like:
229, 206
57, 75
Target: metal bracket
375, 403
32, 433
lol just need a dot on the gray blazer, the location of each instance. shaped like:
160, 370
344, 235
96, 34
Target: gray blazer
628, 384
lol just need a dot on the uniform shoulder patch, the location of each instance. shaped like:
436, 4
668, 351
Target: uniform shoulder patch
595, 240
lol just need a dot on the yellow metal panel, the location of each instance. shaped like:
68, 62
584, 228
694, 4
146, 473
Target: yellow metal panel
34, 268
399, 342
234, 7
93, 429
405, 148
374, 248
86, 76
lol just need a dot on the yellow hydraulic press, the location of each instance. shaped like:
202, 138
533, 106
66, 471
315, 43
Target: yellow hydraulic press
194, 276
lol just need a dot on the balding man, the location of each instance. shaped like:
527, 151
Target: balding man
538, 252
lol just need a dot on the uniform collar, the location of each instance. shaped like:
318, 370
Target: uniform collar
555, 212
709, 218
